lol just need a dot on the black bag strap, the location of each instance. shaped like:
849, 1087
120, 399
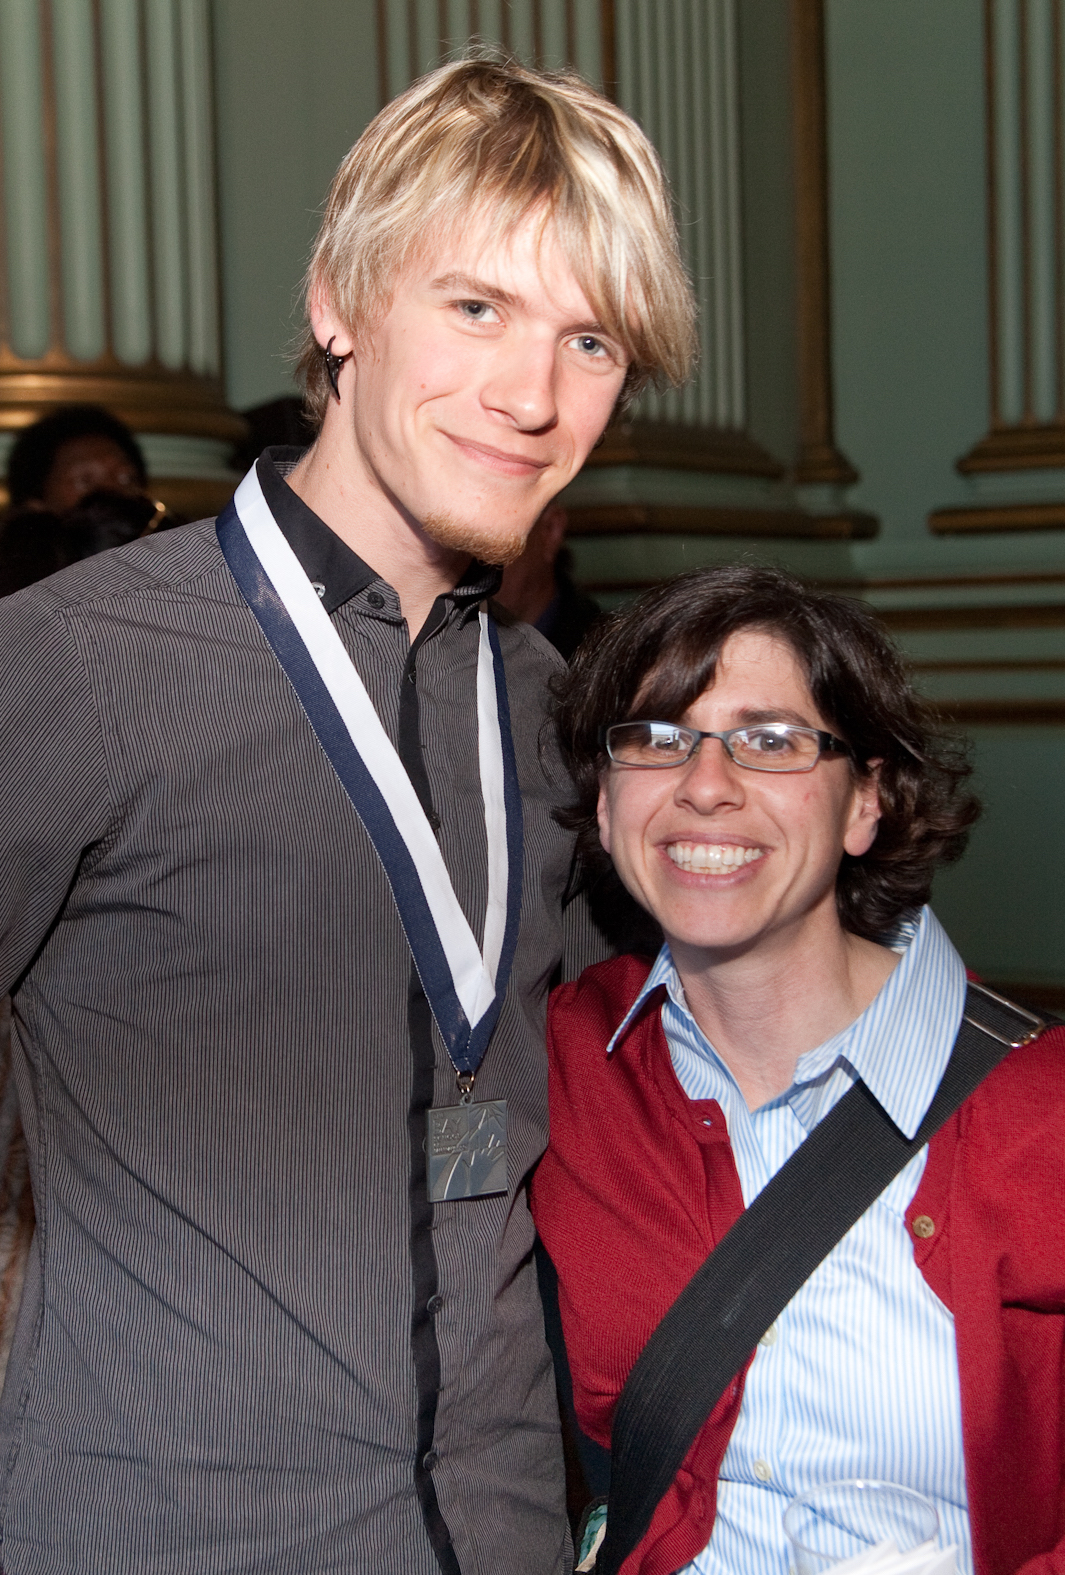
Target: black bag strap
705, 1338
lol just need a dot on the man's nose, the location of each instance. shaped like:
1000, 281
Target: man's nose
522, 386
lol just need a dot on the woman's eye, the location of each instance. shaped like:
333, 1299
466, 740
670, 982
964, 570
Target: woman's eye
768, 743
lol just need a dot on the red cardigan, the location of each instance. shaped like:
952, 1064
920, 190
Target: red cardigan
635, 1189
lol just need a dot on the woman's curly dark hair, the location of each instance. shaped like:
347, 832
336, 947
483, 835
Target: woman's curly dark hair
655, 659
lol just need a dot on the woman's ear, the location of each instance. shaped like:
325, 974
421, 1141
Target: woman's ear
865, 811
602, 814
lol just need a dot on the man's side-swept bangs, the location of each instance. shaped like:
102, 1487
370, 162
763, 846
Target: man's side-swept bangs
478, 146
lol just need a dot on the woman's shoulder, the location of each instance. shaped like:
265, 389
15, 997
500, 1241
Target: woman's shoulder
601, 996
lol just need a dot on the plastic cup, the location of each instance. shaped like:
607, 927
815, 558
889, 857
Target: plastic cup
841, 1519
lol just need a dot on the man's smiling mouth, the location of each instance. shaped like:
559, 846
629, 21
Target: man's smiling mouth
499, 459
711, 857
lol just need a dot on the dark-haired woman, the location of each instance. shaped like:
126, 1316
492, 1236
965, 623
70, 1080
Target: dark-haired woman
749, 754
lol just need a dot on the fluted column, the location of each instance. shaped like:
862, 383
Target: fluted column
416, 35
108, 245
1012, 466
678, 76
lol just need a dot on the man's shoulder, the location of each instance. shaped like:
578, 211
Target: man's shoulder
152, 566
525, 648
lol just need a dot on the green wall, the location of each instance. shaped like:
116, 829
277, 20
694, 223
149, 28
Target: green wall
296, 84
1002, 905
906, 139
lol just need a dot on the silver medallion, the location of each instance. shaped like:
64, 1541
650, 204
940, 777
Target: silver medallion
467, 1150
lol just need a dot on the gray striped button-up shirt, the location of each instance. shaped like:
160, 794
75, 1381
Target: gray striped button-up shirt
247, 1341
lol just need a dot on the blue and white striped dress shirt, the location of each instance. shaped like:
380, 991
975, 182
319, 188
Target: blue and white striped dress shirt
859, 1375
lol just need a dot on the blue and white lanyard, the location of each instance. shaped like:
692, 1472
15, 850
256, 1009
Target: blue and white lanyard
464, 984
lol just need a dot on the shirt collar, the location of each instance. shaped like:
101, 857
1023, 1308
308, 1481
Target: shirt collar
336, 572
901, 1043
662, 973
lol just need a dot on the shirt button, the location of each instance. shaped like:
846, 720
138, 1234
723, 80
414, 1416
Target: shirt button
375, 598
762, 1471
770, 1336
431, 1460
433, 1305
434, 820
924, 1227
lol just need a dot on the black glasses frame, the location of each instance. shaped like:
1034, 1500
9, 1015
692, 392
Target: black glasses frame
827, 743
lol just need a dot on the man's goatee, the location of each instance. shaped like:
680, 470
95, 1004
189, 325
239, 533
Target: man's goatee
498, 546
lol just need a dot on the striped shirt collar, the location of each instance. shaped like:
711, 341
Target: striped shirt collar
899, 1046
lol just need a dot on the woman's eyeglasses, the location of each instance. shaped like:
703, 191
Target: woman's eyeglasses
769, 746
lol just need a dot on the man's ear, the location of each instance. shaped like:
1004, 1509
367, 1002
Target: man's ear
326, 325
602, 815
865, 812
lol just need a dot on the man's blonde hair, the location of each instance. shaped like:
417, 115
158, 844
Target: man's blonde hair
489, 142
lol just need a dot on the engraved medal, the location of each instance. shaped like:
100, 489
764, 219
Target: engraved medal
467, 1150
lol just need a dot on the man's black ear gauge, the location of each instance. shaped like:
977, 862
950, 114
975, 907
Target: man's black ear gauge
333, 363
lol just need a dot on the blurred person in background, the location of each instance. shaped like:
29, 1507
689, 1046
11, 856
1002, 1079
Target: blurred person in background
538, 589
77, 485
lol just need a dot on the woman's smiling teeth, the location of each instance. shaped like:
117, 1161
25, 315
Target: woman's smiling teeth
713, 857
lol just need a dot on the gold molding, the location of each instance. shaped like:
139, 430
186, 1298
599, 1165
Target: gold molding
676, 447
876, 582
150, 400
1012, 664
671, 519
1045, 615
819, 460
997, 516
193, 497
1030, 446
1001, 713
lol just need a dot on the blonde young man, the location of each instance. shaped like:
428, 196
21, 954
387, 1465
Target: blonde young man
281, 895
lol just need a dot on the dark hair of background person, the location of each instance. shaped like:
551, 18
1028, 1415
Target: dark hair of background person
655, 658
35, 543
36, 448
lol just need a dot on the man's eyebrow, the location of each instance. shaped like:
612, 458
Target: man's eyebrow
481, 290
478, 289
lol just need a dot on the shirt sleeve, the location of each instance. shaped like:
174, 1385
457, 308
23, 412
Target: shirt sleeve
54, 786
